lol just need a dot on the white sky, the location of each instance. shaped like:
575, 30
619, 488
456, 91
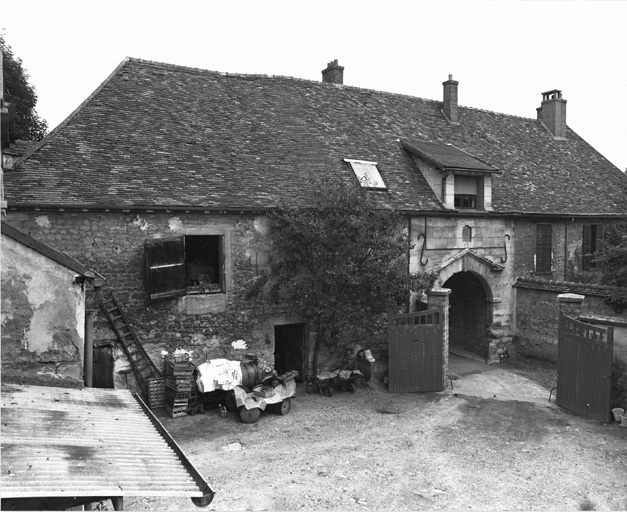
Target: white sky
503, 53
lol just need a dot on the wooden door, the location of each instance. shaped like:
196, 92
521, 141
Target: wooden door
103, 365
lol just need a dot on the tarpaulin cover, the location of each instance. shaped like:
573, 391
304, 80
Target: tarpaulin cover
219, 374
252, 401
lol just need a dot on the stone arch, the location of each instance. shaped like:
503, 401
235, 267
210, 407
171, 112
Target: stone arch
467, 275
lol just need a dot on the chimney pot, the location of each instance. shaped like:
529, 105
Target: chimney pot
334, 73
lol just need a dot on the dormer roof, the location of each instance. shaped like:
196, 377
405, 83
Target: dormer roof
447, 157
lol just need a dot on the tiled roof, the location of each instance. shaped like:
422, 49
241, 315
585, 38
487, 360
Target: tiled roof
158, 135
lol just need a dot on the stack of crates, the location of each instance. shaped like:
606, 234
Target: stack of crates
178, 384
156, 392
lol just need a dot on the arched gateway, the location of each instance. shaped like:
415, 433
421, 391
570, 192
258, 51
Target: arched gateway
467, 275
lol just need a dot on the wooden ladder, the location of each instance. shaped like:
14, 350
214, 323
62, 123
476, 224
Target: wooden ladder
142, 365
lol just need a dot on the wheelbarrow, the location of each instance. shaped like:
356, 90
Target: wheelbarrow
346, 380
274, 396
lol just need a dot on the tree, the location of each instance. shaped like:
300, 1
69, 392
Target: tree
18, 91
344, 261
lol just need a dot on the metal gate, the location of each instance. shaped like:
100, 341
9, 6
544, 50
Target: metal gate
416, 358
584, 368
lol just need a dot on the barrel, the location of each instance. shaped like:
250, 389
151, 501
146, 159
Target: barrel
251, 375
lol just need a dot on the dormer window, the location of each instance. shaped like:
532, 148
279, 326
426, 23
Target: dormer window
366, 173
465, 192
459, 180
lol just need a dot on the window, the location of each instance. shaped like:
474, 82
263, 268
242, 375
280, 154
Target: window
185, 265
592, 236
465, 192
367, 174
467, 234
544, 248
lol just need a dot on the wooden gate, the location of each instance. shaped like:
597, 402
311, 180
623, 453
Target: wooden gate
584, 368
416, 358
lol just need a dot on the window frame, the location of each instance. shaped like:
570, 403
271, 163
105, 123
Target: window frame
166, 269
363, 175
592, 236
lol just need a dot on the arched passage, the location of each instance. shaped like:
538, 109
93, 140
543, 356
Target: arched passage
468, 313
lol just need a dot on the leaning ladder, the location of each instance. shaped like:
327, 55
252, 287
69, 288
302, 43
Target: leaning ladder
143, 367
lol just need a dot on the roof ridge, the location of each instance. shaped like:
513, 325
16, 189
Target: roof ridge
308, 80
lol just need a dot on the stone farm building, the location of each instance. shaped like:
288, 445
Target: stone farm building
165, 164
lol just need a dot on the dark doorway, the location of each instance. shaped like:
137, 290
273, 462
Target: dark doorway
467, 314
289, 343
103, 365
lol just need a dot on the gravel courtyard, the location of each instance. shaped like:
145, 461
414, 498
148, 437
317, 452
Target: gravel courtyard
374, 450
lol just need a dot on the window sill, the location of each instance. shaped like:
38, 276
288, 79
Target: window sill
202, 303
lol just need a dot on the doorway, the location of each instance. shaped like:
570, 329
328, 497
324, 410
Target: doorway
468, 314
289, 349
103, 365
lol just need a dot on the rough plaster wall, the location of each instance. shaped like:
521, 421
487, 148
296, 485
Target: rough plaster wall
42, 315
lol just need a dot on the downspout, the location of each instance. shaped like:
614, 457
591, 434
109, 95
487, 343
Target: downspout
90, 311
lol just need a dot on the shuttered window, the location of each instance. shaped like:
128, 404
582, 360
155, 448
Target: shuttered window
544, 248
592, 235
165, 264
186, 265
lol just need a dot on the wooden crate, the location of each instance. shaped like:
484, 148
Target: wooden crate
156, 392
176, 410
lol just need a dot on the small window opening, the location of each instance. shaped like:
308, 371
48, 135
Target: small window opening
467, 234
202, 262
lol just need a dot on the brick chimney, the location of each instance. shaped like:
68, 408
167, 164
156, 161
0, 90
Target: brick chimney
552, 113
334, 74
450, 100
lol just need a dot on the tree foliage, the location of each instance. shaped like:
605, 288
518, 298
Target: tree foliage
19, 92
613, 255
344, 260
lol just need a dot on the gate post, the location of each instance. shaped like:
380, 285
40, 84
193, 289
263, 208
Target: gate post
439, 298
570, 303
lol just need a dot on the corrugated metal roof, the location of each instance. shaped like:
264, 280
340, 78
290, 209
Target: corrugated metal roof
59, 442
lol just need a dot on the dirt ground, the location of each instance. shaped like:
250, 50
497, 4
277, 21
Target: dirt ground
374, 450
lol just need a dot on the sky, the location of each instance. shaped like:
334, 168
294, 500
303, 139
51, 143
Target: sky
503, 53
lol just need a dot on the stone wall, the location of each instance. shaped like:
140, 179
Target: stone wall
212, 325
43, 322
481, 246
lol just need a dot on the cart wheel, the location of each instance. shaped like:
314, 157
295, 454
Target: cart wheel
229, 401
249, 415
328, 391
285, 406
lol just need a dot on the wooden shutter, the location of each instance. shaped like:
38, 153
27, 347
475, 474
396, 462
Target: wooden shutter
165, 267
544, 235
